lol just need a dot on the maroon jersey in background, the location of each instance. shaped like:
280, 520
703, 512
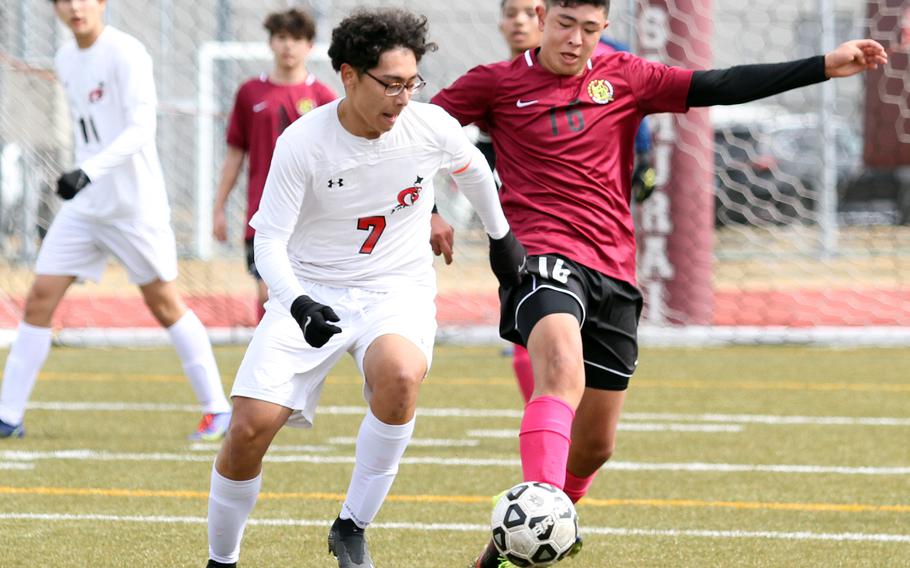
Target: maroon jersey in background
262, 110
565, 148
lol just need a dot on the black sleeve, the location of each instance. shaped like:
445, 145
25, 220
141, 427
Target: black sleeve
486, 148
744, 83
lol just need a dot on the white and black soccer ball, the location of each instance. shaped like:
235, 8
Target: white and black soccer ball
534, 524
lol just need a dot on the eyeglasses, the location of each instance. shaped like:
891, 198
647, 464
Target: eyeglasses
395, 89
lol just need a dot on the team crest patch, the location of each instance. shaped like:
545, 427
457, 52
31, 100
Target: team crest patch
600, 91
409, 195
97, 93
304, 106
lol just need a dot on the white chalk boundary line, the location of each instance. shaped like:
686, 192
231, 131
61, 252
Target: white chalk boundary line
768, 419
16, 466
648, 336
215, 446
418, 442
692, 467
454, 527
631, 427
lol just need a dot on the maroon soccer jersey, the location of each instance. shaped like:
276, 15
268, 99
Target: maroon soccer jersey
262, 110
565, 148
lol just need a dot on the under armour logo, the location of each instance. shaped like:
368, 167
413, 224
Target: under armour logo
339, 182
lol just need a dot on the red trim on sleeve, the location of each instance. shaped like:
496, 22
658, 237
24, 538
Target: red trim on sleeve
460, 170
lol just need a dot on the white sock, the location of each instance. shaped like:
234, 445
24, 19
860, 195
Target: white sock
26, 357
379, 449
230, 505
195, 351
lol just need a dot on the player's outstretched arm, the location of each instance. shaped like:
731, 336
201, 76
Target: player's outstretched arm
744, 83
852, 57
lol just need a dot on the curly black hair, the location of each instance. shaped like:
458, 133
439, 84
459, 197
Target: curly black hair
361, 38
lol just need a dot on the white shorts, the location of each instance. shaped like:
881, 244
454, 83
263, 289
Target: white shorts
75, 246
282, 368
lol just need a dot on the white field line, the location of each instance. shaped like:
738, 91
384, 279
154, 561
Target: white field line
511, 434
630, 427
342, 441
214, 447
419, 442
16, 466
456, 527
112, 407
671, 427
692, 467
769, 419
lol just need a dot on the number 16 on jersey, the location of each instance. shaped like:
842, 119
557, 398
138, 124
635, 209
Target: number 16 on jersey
559, 272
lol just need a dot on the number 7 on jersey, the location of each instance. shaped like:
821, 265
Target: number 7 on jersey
375, 225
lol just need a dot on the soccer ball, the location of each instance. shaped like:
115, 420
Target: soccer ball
534, 524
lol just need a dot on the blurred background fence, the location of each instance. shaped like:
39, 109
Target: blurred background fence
794, 222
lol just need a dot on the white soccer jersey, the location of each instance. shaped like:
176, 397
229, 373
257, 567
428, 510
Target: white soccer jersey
111, 92
356, 212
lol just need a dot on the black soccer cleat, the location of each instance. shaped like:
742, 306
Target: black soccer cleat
11, 430
216, 564
349, 545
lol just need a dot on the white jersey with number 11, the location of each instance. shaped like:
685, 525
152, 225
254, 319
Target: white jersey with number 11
111, 92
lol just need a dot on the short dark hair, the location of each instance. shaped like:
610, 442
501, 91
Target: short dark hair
294, 22
502, 4
361, 38
605, 4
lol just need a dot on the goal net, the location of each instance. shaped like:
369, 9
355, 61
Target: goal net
780, 220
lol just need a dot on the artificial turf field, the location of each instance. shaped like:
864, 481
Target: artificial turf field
747, 456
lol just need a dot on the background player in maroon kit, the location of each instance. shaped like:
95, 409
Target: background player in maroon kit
563, 127
263, 108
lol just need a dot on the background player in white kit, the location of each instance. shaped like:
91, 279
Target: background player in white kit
115, 203
341, 241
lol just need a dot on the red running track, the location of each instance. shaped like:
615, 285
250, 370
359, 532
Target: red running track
793, 308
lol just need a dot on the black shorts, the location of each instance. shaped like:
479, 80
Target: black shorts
606, 308
251, 260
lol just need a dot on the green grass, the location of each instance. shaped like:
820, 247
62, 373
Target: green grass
763, 381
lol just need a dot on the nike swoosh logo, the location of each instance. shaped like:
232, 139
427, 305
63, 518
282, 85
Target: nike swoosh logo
260, 106
307, 324
522, 104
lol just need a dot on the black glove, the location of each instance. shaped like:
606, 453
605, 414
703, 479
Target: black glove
71, 183
313, 318
508, 259
644, 178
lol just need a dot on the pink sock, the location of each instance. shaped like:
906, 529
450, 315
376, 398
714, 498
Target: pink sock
577, 487
544, 440
521, 362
